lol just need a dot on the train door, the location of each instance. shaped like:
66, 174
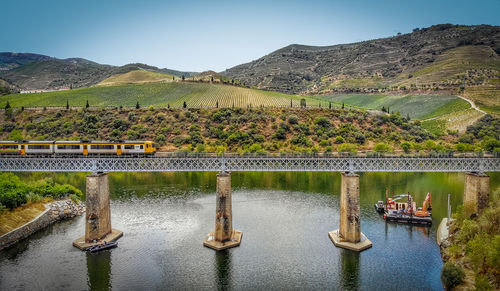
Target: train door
119, 149
85, 150
23, 150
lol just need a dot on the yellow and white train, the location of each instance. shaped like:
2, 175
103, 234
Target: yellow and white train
85, 148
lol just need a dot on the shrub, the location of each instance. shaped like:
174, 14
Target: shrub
406, 146
481, 283
348, 148
452, 275
293, 119
381, 148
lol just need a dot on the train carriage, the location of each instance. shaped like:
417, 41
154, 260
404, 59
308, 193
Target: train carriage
77, 148
35, 147
10, 148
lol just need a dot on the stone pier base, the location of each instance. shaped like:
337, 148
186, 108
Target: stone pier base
338, 241
234, 241
111, 237
349, 234
224, 236
476, 192
97, 214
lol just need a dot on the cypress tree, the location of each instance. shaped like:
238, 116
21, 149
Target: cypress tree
184, 105
87, 105
137, 106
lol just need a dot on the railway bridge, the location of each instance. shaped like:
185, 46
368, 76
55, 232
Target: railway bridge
349, 235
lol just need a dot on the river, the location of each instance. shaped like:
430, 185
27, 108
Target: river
285, 218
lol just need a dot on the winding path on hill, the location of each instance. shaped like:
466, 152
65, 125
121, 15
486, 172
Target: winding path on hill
472, 104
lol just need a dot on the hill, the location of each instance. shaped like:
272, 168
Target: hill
136, 77
33, 71
439, 57
158, 94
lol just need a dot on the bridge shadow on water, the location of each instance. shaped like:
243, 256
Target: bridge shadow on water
223, 269
349, 276
99, 271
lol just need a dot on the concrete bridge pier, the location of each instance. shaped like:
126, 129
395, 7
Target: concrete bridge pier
97, 213
224, 236
349, 235
476, 192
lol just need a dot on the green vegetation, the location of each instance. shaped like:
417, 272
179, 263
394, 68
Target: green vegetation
224, 129
136, 77
158, 94
14, 193
416, 106
452, 275
475, 245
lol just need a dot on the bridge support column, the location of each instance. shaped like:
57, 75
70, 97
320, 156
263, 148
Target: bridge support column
476, 193
97, 213
224, 236
349, 236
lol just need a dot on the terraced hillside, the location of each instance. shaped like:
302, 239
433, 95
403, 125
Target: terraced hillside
416, 106
437, 55
159, 94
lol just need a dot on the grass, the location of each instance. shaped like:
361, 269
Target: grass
12, 219
136, 77
486, 97
158, 94
417, 106
453, 106
458, 120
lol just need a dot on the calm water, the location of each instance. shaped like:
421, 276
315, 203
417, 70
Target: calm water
285, 219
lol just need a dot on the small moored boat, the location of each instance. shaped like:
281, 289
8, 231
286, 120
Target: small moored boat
379, 206
106, 245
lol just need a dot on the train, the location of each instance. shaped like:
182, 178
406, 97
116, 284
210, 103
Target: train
84, 147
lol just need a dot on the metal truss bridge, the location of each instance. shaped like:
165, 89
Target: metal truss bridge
253, 163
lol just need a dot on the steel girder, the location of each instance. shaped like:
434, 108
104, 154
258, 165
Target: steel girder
235, 163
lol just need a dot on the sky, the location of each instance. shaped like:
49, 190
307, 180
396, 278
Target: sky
214, 35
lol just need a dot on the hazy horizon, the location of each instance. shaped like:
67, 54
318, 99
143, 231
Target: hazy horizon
200, 36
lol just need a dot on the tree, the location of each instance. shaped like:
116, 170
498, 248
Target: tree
383, 109
452, 275
330, 105
67, 104
137, 106
183, 77
168, 105
184, 105
291, 103
7, 106
87, 105
303, 102
216, 104
381, 148
343, 105
406, 146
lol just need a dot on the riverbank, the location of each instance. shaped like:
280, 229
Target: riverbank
53, 212
473, 246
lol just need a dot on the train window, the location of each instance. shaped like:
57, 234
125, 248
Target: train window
68, 147
22, 147
142, 147
38, 146
129, 147
102, 147
9, 146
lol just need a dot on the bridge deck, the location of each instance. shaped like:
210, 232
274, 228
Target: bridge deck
235, 163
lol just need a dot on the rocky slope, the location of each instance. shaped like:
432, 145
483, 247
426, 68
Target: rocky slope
376, 64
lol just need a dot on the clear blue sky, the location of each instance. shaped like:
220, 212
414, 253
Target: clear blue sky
201, 35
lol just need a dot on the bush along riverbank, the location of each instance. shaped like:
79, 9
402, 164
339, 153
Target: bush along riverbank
27, 208
472, 251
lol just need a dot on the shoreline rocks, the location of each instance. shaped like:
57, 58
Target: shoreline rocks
55, 211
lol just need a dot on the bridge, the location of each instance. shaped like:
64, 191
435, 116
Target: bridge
250, 163
349, 235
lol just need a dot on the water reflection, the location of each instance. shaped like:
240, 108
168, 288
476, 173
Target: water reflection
223, 269
349, 261
99, 271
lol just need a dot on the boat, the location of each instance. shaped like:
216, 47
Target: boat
100, 247
380, 206
407, 211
